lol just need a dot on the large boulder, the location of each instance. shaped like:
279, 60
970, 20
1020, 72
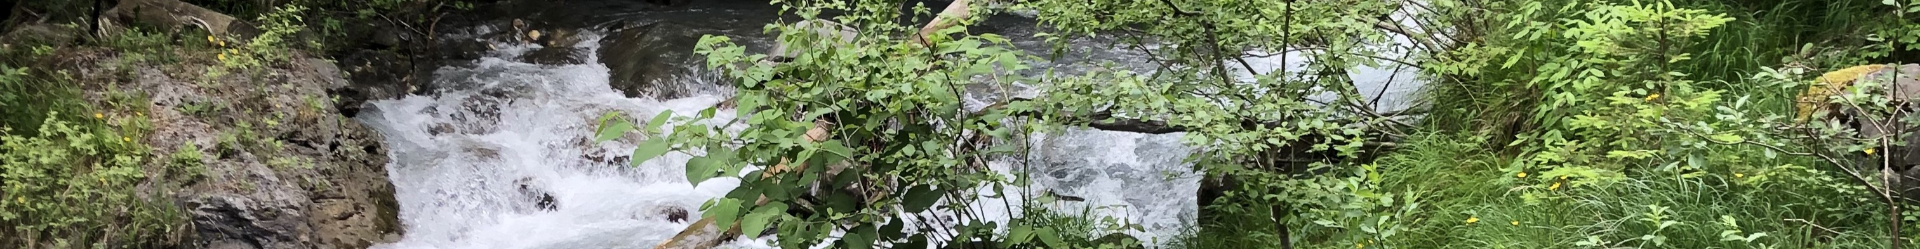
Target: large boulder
1899, 83
648, 60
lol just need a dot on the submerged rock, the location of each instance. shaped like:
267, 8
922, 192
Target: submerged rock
555, 56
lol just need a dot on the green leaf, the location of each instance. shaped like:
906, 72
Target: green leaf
615, 129
724, 212
835, 147
920, 198
1018, 235
1727, 138
857, 241
867, 231
1052, 239
658, 121
650, 149
1696, 161
699, 169
758, 219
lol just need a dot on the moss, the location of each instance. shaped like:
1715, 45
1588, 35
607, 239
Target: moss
387, 211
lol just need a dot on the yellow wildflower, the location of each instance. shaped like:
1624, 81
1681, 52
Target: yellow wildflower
1869, 151
1556, 186
1522, 174
211, 40
233, 51
1739, 175
1360, 245
1516, 223
22, 199
1471, 220
1650, 97
104, 116
222, 57
1563, 177
127, 139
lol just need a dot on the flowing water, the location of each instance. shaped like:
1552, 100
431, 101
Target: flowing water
474, 163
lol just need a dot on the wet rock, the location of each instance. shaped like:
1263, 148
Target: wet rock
440, 128
242, 222
675, 214
541, 199
559, 38
644, 60
387, 39
376, 75
463, 49
555, 56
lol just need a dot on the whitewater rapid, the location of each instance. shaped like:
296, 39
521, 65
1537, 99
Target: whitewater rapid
473, 161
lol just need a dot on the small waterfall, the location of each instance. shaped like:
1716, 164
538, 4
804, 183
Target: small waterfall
474, 164
501, 157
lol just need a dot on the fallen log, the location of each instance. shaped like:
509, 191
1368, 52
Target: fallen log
165, 15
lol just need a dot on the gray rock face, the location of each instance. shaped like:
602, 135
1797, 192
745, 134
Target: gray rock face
1901, 83
283, 167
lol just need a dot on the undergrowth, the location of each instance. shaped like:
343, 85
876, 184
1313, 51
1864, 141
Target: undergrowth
71, 179
1673, 140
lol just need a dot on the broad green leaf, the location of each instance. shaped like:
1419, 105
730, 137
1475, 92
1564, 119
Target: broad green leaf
611, 127
758, 219
857, 241
650, 149
1052, 239
1696, 161
919, 198
835, 147
658, 121
699, 169
724, 212
1018, 235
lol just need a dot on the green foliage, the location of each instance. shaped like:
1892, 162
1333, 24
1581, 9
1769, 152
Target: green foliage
891, 113
1557, 124
277, 31
74, 183
24, 99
